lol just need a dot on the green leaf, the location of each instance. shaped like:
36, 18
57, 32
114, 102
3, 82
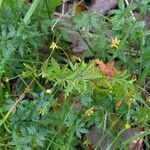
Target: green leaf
84, 19
31, 11
1, 1
53, 4
80, 129
86, 100
121, 4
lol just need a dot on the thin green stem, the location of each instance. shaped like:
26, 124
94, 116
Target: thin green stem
1, 1
109, 147
141, 135
30, 11
1, 90
39, 84
15, 104
48, 10
99, 142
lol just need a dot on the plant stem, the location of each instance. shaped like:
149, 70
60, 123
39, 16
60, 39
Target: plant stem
1, 1
1, 90
48, 11
15, 104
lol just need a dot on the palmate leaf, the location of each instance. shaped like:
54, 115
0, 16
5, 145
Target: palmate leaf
56, 73
95, 21
80, 77
143, 116
84, 20
80, 129
89, 22
77, 78
86, 99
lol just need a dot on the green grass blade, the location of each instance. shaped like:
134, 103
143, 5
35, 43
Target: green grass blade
141, 135
1, 1
30, 11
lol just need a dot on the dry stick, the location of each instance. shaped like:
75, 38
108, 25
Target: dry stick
132, 14
63, 8
146, 84
144, 90
62, 14
79, 32
15, 104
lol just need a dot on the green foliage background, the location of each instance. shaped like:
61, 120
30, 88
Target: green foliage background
31, 117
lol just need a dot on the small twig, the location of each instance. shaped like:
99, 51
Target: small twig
63, 8
145, 86
15, 104
57, 14
144, 90
132, 14
62, 14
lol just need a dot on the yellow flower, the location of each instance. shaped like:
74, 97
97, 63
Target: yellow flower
6, 79
114, 42
48, 91
89, 112
86, 142
127, 126
42, 111
53, 46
